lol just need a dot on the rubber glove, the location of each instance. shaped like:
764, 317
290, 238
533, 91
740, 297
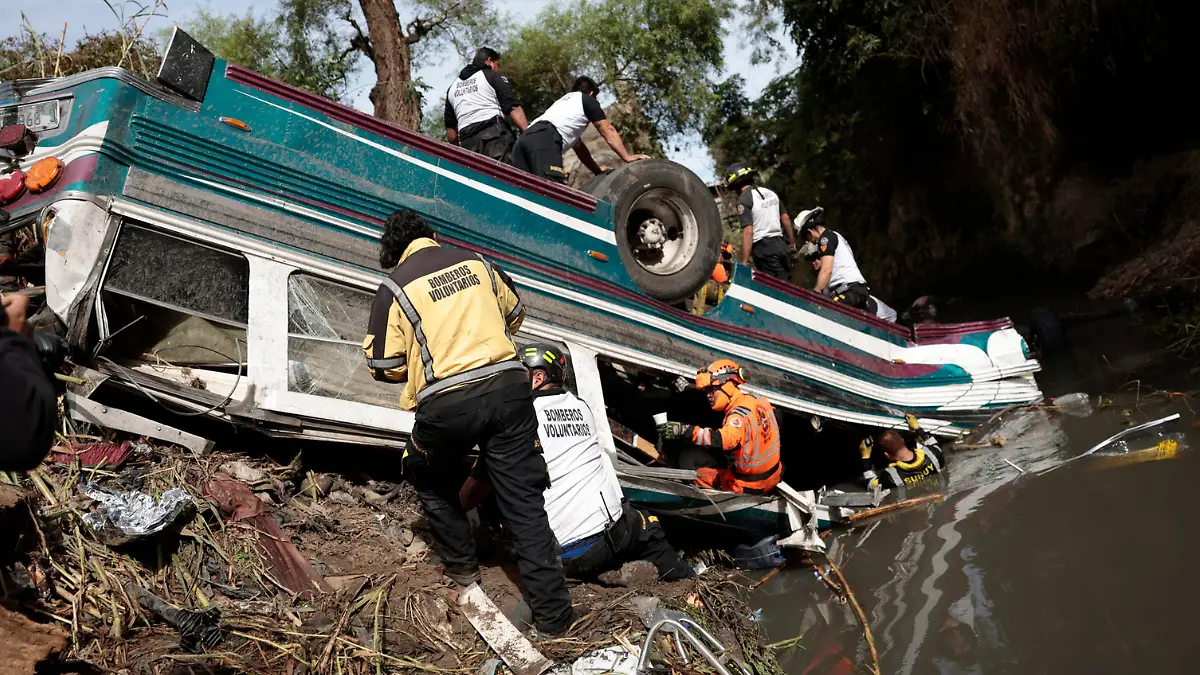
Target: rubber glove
913, 424
671, 430
865, 448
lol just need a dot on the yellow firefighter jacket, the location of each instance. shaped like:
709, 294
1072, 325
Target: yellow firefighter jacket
443, 318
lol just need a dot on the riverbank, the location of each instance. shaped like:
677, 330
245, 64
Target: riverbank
270, 568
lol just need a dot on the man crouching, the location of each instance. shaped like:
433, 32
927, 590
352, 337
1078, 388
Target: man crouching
595, 528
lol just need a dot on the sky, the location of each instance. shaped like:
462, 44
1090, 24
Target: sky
81, 16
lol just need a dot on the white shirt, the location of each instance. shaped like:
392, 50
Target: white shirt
759, 207
570, 115
845, 269
883, 311
474, 100
584, 494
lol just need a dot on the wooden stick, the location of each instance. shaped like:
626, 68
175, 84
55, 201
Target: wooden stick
766, 577
857, 610
61, 40
888, 508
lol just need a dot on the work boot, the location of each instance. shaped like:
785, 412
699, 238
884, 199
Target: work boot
462, 576
557, 630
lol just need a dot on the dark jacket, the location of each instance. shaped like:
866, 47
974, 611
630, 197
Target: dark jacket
28, 405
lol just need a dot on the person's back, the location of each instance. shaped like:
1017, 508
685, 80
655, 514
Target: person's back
570, 116
441, 322
476, 105
438, 290
584, 493
845, 267
765, 211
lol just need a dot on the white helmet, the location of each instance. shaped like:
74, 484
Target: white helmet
817, 215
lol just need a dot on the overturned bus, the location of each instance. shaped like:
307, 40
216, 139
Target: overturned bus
210, 241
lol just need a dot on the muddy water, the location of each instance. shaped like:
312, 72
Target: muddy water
1088, 566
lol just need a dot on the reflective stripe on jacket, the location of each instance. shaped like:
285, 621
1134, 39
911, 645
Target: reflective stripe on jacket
444, 317
751, 434
927, 461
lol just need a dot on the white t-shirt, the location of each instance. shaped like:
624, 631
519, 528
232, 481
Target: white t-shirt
570, 115
759, 207
584, 494
845, 269
883, 311
473, 100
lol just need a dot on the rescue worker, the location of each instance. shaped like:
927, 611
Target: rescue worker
540, 149
441, 323
476, 105
713, 290
909, 461
764, 222
838, 276
874, 305
28, 402
749, 435
595, 529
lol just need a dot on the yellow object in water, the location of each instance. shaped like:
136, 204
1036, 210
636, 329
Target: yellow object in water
1166, 449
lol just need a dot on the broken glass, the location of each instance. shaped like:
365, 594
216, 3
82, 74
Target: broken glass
326, 324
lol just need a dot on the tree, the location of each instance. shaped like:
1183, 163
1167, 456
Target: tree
305, 44
389, 43
658, 58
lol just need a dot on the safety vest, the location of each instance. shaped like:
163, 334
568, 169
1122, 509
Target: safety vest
756, 463
443, 318
927, 461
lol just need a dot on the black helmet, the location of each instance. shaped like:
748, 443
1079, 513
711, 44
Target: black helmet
541, 356
736, 173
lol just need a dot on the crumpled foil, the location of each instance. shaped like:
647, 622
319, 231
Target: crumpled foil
127, 516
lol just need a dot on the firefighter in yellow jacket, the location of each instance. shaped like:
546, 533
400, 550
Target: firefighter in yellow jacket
749, 435
442, 323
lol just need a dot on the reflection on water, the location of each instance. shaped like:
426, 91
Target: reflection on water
1090, 568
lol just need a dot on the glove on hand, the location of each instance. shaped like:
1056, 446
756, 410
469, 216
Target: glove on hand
913, 424
865, 448
672, 430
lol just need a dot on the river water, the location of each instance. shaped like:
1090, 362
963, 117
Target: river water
1087, 566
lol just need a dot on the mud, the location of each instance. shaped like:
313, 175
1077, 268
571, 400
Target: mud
388, 604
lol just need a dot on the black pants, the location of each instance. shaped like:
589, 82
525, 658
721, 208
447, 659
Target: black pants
502, 422
634, 536
540, 152
772, 256
493, 139
857, 295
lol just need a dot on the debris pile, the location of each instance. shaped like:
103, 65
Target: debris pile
143, 558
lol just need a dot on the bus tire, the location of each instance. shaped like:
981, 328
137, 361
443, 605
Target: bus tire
667, 226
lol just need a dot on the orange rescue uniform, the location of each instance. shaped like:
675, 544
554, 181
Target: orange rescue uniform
750, 435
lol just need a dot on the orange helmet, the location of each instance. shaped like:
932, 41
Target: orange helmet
727, 249
723, 375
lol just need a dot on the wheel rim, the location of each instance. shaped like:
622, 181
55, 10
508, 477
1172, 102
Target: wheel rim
662, 232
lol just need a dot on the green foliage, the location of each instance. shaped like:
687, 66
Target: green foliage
302, 45
32, 54
659, 58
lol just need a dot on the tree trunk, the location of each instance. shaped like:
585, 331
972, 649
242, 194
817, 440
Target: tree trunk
393, 95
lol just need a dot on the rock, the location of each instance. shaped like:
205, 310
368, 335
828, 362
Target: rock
244, 472
319, 487
345, 498
265, 496
635, 574
416, 550
398, 533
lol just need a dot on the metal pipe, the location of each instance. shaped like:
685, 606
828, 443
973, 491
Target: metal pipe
685, 627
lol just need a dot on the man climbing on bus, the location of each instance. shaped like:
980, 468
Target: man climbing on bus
765, 223
540, 149
596, 529
748, 440
909, 460
476, 104
838, 276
